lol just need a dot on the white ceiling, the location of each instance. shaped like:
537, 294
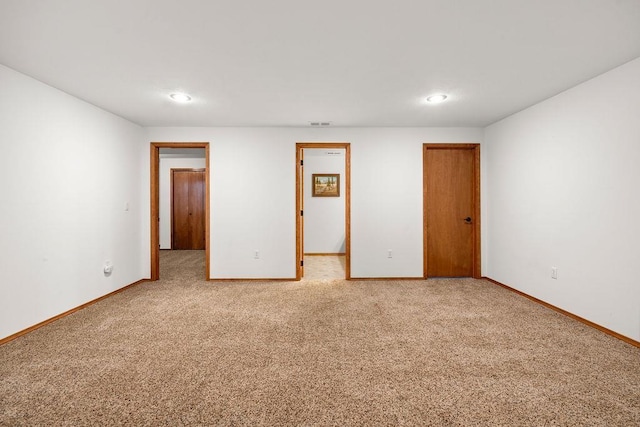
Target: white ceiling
289, 62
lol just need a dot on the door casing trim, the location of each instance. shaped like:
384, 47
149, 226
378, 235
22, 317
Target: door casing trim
347, 205
155, 203
476, 202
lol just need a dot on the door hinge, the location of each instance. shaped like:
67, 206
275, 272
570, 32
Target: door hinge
301, 263
301, 213
301, 162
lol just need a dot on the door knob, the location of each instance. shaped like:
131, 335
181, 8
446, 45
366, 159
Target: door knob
468, 220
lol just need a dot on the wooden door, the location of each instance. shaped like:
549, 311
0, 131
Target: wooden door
188, 209
451, 210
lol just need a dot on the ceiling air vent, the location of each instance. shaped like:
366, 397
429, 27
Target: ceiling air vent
320, 124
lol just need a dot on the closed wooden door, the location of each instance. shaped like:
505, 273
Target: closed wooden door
188, 208
451, 211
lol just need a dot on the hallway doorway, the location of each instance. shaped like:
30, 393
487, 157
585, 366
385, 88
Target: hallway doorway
323, 187
160, 213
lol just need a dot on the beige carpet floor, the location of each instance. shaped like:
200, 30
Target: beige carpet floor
183, 351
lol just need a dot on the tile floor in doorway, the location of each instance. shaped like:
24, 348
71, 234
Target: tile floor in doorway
320, 267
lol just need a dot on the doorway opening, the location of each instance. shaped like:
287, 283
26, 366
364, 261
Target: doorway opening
451, 210
323, 179
164, 155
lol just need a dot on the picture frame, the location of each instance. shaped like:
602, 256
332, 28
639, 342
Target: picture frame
325, 185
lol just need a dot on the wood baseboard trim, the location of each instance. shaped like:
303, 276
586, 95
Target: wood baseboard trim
365, 279
325, 254
568, 314
68, 312
293, 279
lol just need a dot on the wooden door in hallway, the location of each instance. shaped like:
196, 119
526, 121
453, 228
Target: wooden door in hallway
451, 210
188, 208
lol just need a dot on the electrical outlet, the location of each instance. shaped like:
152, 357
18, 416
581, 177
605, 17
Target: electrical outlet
107, 268
554, 272
256, 255
390, 254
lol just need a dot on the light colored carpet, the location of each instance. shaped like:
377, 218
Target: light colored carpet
183, 351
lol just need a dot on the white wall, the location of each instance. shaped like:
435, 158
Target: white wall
164, 190
562, 190
559, 188
324, 217
253, 195
67, 170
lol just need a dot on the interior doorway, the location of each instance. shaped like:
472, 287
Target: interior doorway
156, 217
451, 174
330, 186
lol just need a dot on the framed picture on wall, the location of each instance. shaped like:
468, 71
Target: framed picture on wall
325, 185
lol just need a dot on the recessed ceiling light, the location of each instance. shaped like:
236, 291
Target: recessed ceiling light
434, 99
180, 97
